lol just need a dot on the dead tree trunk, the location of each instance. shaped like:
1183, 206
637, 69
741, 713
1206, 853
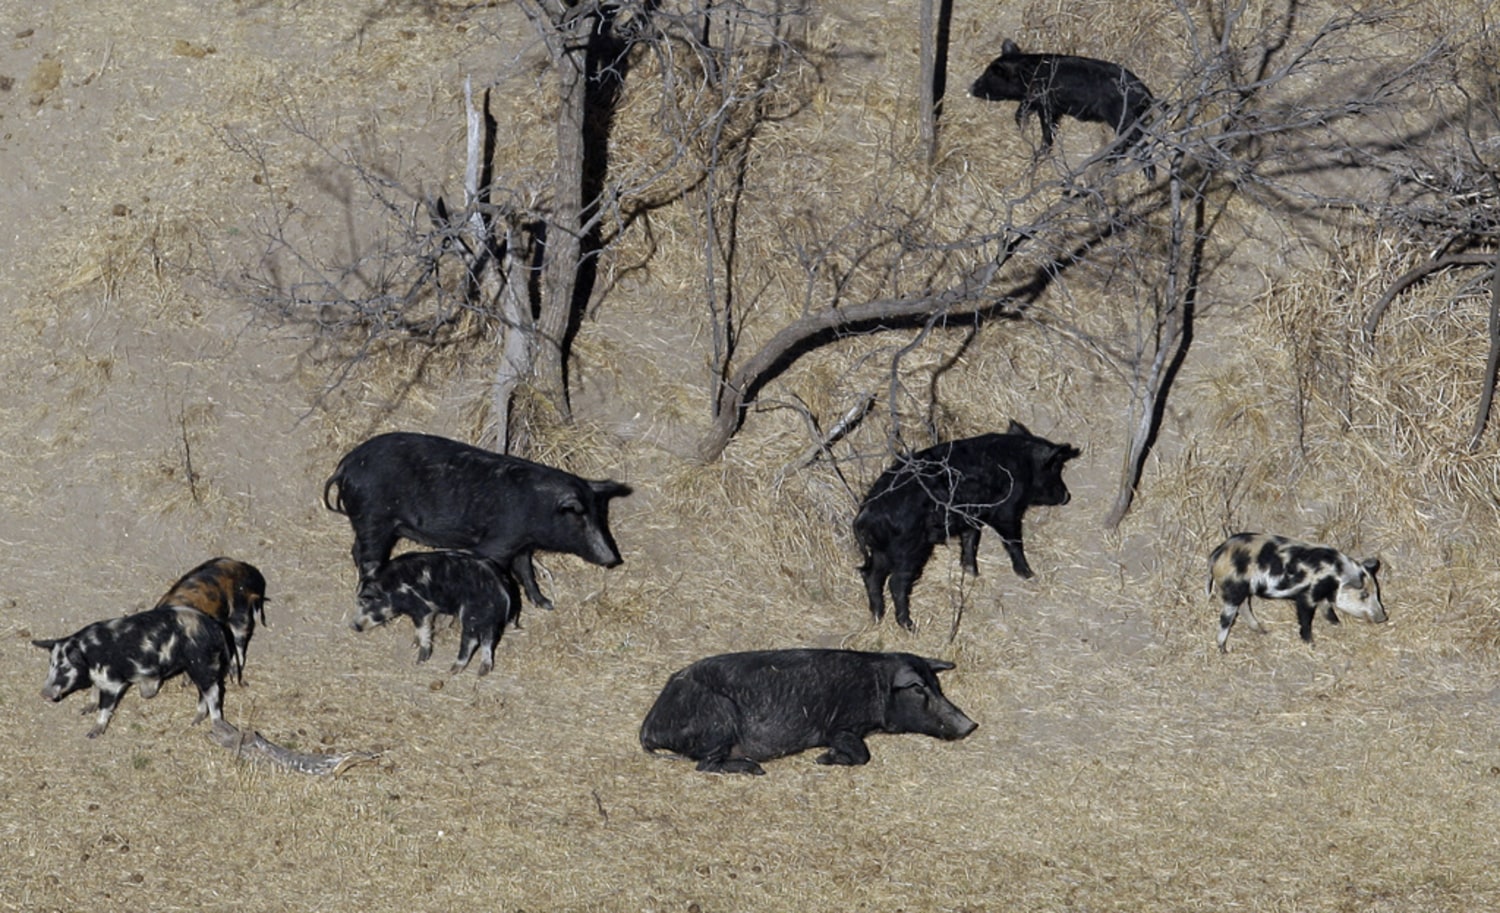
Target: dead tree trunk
934, 17
497, 268
562, 248
1160, 355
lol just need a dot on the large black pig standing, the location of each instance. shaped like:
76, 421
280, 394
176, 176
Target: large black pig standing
730, 712
954, 488
446, 494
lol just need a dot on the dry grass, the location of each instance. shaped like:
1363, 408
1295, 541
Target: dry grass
1120, 764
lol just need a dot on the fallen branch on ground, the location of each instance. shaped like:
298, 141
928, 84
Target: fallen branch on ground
257, 747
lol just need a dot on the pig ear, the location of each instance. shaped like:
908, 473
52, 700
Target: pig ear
1016, 427
906, 677
607, 488
44, 644
938, 665
1009, 49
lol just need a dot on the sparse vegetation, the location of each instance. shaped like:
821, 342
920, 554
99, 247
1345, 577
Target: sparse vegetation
1310, 158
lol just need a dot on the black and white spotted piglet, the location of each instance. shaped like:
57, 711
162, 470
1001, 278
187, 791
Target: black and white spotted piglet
145, 649
1275, 567
421, 585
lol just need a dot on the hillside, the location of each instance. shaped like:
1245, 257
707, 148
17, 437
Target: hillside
169, 163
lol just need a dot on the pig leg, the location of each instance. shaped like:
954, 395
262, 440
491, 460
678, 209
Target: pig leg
209, 677
1023, 111
902, 580
1236, 596
1009, 527
845, 748
1048, 117
424, 635
486, 657
731, 766
875, 571
210, 704
373, 542
525, 571
906, 570
478, 634
466, 648
1306, 609
109, 697
1227, 616
968, 541
1324, 593
237, 665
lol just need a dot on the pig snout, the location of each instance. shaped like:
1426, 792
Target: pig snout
602, 552
956, 725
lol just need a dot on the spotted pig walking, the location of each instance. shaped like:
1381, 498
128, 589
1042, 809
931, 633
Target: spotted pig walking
1275, 567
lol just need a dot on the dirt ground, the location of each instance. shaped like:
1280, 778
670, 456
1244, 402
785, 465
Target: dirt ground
152, 419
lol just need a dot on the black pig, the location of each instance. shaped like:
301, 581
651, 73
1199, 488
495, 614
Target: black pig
732, 711
230, 591
145, 648
1081, 87
953, 488
420, 585
445, 494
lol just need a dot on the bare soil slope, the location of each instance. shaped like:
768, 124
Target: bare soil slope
151, 420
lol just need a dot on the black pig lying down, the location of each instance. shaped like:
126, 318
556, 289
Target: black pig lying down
420, 585
1081, 87
445, 494
732, 711
956, 488
146, 649
230, 591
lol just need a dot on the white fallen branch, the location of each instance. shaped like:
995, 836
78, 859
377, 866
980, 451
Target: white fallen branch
256, 747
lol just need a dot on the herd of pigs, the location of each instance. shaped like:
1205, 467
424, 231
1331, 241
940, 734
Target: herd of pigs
483, 515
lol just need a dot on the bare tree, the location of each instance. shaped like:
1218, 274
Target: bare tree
1445, 201
522, 258
589, 60
1241, 133
1236, 131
